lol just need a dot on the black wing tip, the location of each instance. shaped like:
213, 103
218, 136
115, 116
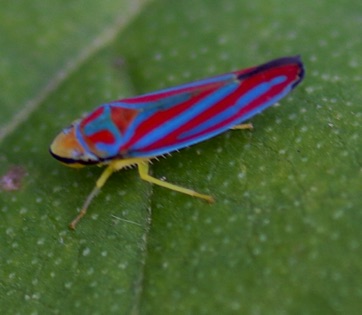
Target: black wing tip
301, 71
280, 62
284, 60
297, 59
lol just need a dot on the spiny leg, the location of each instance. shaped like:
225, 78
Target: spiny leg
114, 166
143, 169
243, 126
99, 184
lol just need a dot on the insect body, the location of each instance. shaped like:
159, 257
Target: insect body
134, 130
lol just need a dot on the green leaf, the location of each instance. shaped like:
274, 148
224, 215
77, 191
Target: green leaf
283, 236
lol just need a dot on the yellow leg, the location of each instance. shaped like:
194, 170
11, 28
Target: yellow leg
111, 168
143, 171
243, 126
99, 184
143, 168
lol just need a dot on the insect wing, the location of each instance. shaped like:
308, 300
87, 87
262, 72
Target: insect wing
181, 116
161, 122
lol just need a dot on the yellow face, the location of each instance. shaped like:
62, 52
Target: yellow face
67, 149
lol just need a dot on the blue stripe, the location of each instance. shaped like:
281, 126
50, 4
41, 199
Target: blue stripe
164, 102
172, 124
140, 118
101, 123
171, 99
259, 109
238, 120
243, 101
79, 136
146, 110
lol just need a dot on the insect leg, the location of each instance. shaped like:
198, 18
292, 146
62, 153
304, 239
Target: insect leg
243, 126
99, 184
143, 169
